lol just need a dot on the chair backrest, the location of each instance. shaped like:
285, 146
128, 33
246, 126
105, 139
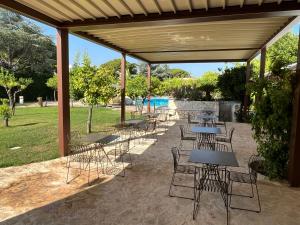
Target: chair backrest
206, 138
254, 160
181, 131
211, 146
152, 125
231, 133
211, 179
175, 154
189, 117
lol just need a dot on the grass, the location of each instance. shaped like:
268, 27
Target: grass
35, 131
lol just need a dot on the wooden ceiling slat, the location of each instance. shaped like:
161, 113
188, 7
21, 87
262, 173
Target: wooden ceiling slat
142, 7
60, 2
84, 9
97, 8
157, 6
46, 4
190, 5
127, 7
110, 6
173, 4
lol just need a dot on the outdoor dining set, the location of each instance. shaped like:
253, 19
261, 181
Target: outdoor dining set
109, 151
210, 163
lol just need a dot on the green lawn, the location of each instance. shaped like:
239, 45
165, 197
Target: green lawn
35, 131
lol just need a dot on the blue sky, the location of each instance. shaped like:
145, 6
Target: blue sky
100, 54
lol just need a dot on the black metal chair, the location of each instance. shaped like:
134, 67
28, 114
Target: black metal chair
227, 138
210, 178
185, 134
179, 168
246, 178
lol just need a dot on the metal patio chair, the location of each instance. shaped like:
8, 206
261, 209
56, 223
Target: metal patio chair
246, 178
84, 155
186, 134
179, 168
227, 138
121, 149
211, 179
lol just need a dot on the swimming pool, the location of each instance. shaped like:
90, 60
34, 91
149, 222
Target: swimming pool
157, 101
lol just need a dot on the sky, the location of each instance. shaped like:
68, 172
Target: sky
100, 54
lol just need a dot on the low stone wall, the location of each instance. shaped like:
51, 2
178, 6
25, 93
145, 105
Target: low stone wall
223, 109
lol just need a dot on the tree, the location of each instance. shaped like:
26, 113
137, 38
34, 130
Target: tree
272, 119
26, 52
13, 86
232, 83
96, 86
159, 71
5, 111
137, 87
180, 73
52, 83
155, 86
208, 83
114, 67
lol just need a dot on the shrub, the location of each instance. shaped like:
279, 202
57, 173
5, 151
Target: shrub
5, 111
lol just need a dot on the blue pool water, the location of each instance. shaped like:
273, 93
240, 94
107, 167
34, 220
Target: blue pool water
157, 101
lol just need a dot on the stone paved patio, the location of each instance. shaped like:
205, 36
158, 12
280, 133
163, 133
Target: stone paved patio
37, 193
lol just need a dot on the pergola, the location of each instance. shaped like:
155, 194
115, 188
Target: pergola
168, 31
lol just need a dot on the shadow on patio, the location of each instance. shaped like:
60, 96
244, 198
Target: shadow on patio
40, 193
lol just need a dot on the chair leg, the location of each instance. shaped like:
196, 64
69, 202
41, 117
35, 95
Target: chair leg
196, 203
258, 199
172, 181
251, 196
68, 166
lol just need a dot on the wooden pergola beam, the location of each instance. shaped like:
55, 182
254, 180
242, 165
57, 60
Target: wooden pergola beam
196, 50
294, 153
199, 61
262, 69
246, 97
62, 47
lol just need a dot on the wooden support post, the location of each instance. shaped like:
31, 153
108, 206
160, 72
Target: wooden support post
149, 85
294, 154
262, 62
63, 90
246, 97
262, 69
123, 86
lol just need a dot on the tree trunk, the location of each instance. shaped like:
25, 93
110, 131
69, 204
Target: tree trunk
14, 104
89, 121
207, 96
54, 95
5, 122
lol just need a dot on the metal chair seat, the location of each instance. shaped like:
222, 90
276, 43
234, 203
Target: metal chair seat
223, 139
212, 185
186, 169
188, 138
241, 177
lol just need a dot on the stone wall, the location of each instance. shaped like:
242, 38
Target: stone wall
223, 109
